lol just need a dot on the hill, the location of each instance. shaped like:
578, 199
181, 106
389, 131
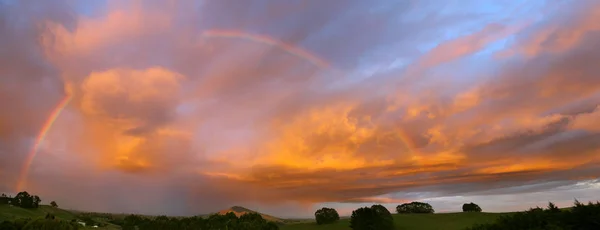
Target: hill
238, 211
8, 212
446, 221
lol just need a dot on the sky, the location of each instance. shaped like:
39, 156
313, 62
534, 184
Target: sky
190, 107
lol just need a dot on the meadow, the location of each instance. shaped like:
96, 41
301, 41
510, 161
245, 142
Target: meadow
446, 221
8, 212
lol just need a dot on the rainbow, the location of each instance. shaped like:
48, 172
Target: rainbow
38, 141
293, 50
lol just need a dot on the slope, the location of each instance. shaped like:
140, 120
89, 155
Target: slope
8, 212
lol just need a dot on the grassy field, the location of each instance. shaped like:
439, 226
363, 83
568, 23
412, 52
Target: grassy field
8, 212
445, 221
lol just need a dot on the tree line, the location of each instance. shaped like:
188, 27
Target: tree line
22, 199
580, 216
329, 215
229, 221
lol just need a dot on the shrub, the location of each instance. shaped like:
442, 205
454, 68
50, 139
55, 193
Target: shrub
415, 207
326, 216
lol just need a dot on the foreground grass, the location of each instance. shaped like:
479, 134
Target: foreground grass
8, 212
445, 221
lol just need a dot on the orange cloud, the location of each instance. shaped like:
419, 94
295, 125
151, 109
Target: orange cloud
131, 114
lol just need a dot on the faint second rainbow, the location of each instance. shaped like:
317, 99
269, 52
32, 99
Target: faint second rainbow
294, 50
39, 139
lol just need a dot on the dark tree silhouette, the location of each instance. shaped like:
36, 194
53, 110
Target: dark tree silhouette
371, 218
25, 200
54, 204
471, 207
326, 216
4, 199
415, 207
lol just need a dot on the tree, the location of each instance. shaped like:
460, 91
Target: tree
23, 200
36, 201
471, 207
553, 208
383, 217
53, 204
375, 217
362, 219
4, 199
415, 207
326, 215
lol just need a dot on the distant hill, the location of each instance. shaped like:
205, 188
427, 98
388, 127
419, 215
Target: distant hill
238, 211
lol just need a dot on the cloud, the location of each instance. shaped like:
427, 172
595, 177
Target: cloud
588, 121
29, 84
164, 116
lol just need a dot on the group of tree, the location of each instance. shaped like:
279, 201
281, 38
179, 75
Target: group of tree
414, 207
4, 199
22, 199
471, 207
580, 216
47, 223
229, 221
370, 218
326, 216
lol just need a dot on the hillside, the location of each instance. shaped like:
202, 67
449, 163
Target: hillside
238, 211
8, 212
446, 221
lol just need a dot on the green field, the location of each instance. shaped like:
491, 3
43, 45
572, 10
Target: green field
8, 212
445, 221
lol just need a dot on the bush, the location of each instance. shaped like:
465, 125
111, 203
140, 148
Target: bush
376, 217
326, 216
471, 207
415, 207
